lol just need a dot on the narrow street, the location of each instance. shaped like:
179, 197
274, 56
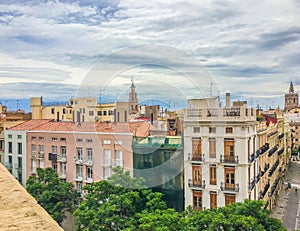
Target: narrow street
287, 208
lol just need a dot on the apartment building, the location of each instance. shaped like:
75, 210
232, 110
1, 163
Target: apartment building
228, 157
80, 153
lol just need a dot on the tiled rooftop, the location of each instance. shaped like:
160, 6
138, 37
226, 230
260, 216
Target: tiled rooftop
140, 129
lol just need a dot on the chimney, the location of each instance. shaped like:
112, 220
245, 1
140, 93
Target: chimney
227, 100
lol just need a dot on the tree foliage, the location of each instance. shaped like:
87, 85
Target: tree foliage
55, 196
122, 203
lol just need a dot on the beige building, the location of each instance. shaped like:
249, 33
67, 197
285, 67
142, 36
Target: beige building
229, 156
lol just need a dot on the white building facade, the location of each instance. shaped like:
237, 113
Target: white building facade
218, 145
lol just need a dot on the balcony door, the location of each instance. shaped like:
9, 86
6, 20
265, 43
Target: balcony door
197, 175
229, 178
229, 150
196, 148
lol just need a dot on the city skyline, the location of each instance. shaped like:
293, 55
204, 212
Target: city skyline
50, 49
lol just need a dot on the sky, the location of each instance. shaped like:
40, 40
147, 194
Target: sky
173, 50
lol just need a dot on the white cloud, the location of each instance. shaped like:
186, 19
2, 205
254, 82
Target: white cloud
252, 44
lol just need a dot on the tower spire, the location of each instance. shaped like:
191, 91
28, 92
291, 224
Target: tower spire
291, 90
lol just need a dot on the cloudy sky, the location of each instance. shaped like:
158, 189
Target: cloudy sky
173, 49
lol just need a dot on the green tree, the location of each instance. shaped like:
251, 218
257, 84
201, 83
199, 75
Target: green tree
55, 196
116, 204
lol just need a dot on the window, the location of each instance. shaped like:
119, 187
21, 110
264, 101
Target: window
89, 140
52, 110
54, 166
41, 164
9, 136
54, 149
20, 178
33, 166
19, 148
33, 147
229, 178
33, 138
79, 170
119, 158
106, 172
64, 111
213, 175
213, 200
105, 113
79, 187
20, 162
78, 140
110, 112
89, 172
196, 129
212, 147
10, 160
83, 110
106, 141
91, 113
119, 142
212, 129
107, 157
63, 151
197, 200
229, 130
54, 138
9, 147
197, 175
125, 116
90, 154
41, 138
41, 148
63, 168
19, 137
63, 139
228, 147
229, 198
99, 113
196, 148
79, 153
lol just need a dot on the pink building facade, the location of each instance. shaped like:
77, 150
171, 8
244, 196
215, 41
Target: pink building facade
80, 153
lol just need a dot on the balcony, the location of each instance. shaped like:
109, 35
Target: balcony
196, 157
274, 167
280, 136
280, 151
62, 176
107, 163
229, 187
228, 159
88, 179
264, 148
267, 166
196, 183
33, 171
257, 153
263, 193
88, 162
33, 155
228, 112
258, 177
78, 177
274, 187
273, 150
41, 155
78, 161
61, 158
118, 163
194, 113
252, 184
212, 112
252, 158
197, 208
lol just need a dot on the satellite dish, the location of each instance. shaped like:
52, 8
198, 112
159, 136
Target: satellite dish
96, 119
